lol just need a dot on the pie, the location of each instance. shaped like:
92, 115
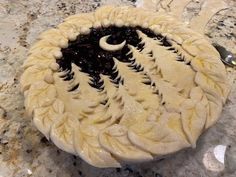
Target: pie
123, 85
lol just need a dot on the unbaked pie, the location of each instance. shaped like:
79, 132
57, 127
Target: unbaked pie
123, 85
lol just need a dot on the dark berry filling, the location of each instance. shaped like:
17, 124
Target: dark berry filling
86, 53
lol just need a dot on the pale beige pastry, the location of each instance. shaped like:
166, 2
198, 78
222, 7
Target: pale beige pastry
171, 87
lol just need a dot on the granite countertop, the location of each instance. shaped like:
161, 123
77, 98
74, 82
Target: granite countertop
23, 149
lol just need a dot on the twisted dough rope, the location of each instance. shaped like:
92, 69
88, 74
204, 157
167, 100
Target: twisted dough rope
47, 97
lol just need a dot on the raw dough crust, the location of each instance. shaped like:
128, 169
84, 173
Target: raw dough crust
135, 124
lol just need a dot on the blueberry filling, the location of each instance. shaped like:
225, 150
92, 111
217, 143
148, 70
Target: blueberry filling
86, 53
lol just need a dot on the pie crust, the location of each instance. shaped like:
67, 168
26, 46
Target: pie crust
139, 122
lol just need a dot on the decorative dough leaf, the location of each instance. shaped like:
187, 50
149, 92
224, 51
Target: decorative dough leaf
213, 73
142, 17
40, 94
62, 132
115, 140
131, 17
44, 117
186, 34
36, 59
52, 35
174, 122
211, 87
33, 74
121, 13
47, 51
58, 106
208, 64
156, 138
89, 149
196, 46
193, 116
68, 29
41, 44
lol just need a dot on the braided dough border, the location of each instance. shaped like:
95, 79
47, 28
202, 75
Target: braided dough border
51, 117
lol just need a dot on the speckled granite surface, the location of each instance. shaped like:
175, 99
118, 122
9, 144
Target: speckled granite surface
25, 152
